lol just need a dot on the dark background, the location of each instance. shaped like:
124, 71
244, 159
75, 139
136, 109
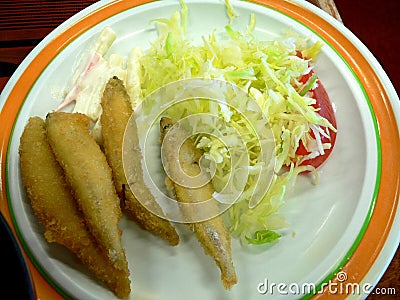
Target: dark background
377, 25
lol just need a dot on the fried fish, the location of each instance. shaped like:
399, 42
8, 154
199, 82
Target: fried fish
90, 177
53, 203
212, 233
115, 117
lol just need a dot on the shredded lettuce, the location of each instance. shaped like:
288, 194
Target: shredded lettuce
232, 14
263, 236
269, 70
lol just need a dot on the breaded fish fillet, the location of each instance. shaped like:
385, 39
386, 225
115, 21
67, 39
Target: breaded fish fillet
212, 233
116, 113
89, 175
53, 204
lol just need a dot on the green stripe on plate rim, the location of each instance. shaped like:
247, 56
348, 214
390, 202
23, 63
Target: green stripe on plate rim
360, 235
346, 257
25, 245
17, 229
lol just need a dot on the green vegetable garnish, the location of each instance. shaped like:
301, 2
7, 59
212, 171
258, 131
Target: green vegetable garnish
263, 237
309, 85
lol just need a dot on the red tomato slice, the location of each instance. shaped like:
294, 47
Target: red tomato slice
324, 104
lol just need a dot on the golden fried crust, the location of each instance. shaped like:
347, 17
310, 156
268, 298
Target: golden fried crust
212, 234
87, 171
53, 204
114, 119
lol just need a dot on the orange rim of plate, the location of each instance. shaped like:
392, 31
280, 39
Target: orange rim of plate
380, 221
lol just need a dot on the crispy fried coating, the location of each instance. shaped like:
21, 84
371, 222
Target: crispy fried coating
212, 233
89, 175
53, 204
115, 117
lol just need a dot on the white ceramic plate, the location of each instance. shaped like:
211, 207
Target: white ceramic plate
328, 222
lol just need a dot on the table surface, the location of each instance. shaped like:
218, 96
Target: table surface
24, 23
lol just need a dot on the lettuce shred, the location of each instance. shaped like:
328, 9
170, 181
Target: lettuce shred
269, 70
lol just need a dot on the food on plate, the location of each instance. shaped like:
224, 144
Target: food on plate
90, 177
54, 205
325, 109
278, 72
117, 110
211, 233
93, 68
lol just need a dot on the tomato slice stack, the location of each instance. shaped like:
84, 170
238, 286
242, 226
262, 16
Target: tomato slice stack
325, 109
